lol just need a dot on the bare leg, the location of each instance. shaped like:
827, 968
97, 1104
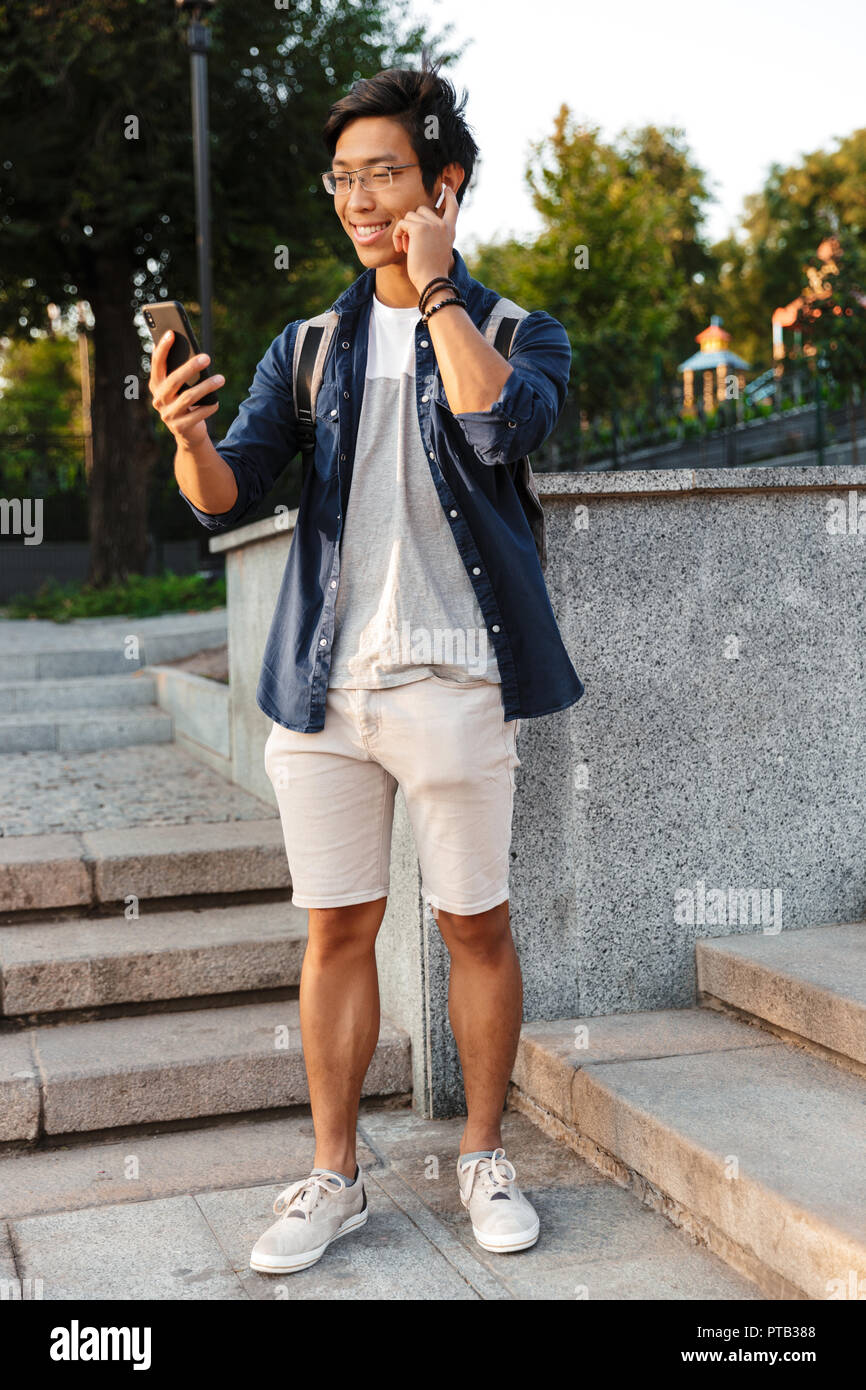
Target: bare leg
339, 1004
485, 1006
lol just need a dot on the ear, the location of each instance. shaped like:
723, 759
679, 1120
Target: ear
453, 175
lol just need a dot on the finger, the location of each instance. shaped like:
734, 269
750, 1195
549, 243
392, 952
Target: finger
450, 207
186, 372
184, 423
185, 399
158, 359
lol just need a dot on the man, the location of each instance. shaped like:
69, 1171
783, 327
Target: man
412, 632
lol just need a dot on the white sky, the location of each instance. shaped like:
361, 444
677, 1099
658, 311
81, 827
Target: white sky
749, 83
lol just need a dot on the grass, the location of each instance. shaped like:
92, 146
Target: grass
140, 596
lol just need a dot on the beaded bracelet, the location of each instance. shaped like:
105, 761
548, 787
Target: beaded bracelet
441, 305
440, 281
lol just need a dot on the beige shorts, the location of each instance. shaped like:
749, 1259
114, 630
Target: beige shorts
450, 750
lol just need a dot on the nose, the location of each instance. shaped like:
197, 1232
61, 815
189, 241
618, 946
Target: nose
358, 200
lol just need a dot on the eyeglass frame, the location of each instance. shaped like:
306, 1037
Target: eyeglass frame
352, 174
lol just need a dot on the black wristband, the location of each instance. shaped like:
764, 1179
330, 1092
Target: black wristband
440, 282
441, 305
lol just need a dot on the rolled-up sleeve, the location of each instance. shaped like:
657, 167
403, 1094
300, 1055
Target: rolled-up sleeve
263, 437
529, 404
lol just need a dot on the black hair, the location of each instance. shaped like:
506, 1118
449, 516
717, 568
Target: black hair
412, 98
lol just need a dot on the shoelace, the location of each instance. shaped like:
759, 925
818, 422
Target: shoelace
494, 1173
297, 1193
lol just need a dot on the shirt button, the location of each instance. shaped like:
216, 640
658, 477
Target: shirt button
345, 345
512, 424
424, 400
323, 642
333, 583
342, 458
333, 413
476, 570
495, 627
453, 513
346, 394
432, 455
424, 342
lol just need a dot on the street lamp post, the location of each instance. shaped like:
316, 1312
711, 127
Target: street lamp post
198, 42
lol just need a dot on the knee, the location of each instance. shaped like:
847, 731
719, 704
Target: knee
343, 932
484, 936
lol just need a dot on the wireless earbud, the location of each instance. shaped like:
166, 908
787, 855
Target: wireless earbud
438, 202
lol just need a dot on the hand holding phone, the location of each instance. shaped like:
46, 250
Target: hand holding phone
181, 394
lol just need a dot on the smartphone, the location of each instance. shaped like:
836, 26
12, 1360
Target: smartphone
170, 314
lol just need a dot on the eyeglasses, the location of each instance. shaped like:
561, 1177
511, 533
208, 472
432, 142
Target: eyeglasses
372, 177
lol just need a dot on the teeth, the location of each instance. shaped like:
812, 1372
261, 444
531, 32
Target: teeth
369, 231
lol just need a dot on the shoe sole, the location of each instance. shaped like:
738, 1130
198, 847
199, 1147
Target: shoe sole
514, 1243
290, 1265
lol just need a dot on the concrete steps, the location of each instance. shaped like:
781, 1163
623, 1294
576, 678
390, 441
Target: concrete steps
76, 1078
143, 861
83, 692
810, 983
92, 963
103, 646
749, 1140
82, 730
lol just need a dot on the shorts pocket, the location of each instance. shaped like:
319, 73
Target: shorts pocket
459, 685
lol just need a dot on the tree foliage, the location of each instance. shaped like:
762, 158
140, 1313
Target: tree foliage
630, 296
96, 191
763, 266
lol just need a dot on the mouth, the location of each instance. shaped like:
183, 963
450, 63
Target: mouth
365, 233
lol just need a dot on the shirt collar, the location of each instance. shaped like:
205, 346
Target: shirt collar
362, 288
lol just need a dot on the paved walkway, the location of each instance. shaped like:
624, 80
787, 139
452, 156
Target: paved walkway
142, 784
192, 1205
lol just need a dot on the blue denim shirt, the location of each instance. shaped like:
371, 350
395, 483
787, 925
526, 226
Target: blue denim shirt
478, 496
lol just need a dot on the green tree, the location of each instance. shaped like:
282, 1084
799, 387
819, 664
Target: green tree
97, 197
832, 318
628, 298
761, 263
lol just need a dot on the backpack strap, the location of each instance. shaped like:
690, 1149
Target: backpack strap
501, 326
502, 323
312, 341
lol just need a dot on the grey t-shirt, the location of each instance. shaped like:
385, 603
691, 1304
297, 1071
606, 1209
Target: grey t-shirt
405, 606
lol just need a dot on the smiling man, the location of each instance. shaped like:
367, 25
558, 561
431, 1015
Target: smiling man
412, 633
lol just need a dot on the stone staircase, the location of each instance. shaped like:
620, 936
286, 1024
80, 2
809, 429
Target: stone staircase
80, 686
148, 971
743, 1119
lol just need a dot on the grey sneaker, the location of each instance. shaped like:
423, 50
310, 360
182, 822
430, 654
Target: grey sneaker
502, 1218
312, 1212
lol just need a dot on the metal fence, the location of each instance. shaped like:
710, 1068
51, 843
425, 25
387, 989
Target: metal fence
774, 418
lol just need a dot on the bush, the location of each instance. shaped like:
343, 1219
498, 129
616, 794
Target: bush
140, 596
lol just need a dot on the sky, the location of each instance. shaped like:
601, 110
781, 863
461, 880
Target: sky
750, 84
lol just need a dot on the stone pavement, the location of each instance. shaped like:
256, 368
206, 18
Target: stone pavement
189, 1207
142, 784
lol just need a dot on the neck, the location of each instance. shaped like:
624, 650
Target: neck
395, 289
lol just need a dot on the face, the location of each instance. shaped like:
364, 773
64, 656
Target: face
369, 218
